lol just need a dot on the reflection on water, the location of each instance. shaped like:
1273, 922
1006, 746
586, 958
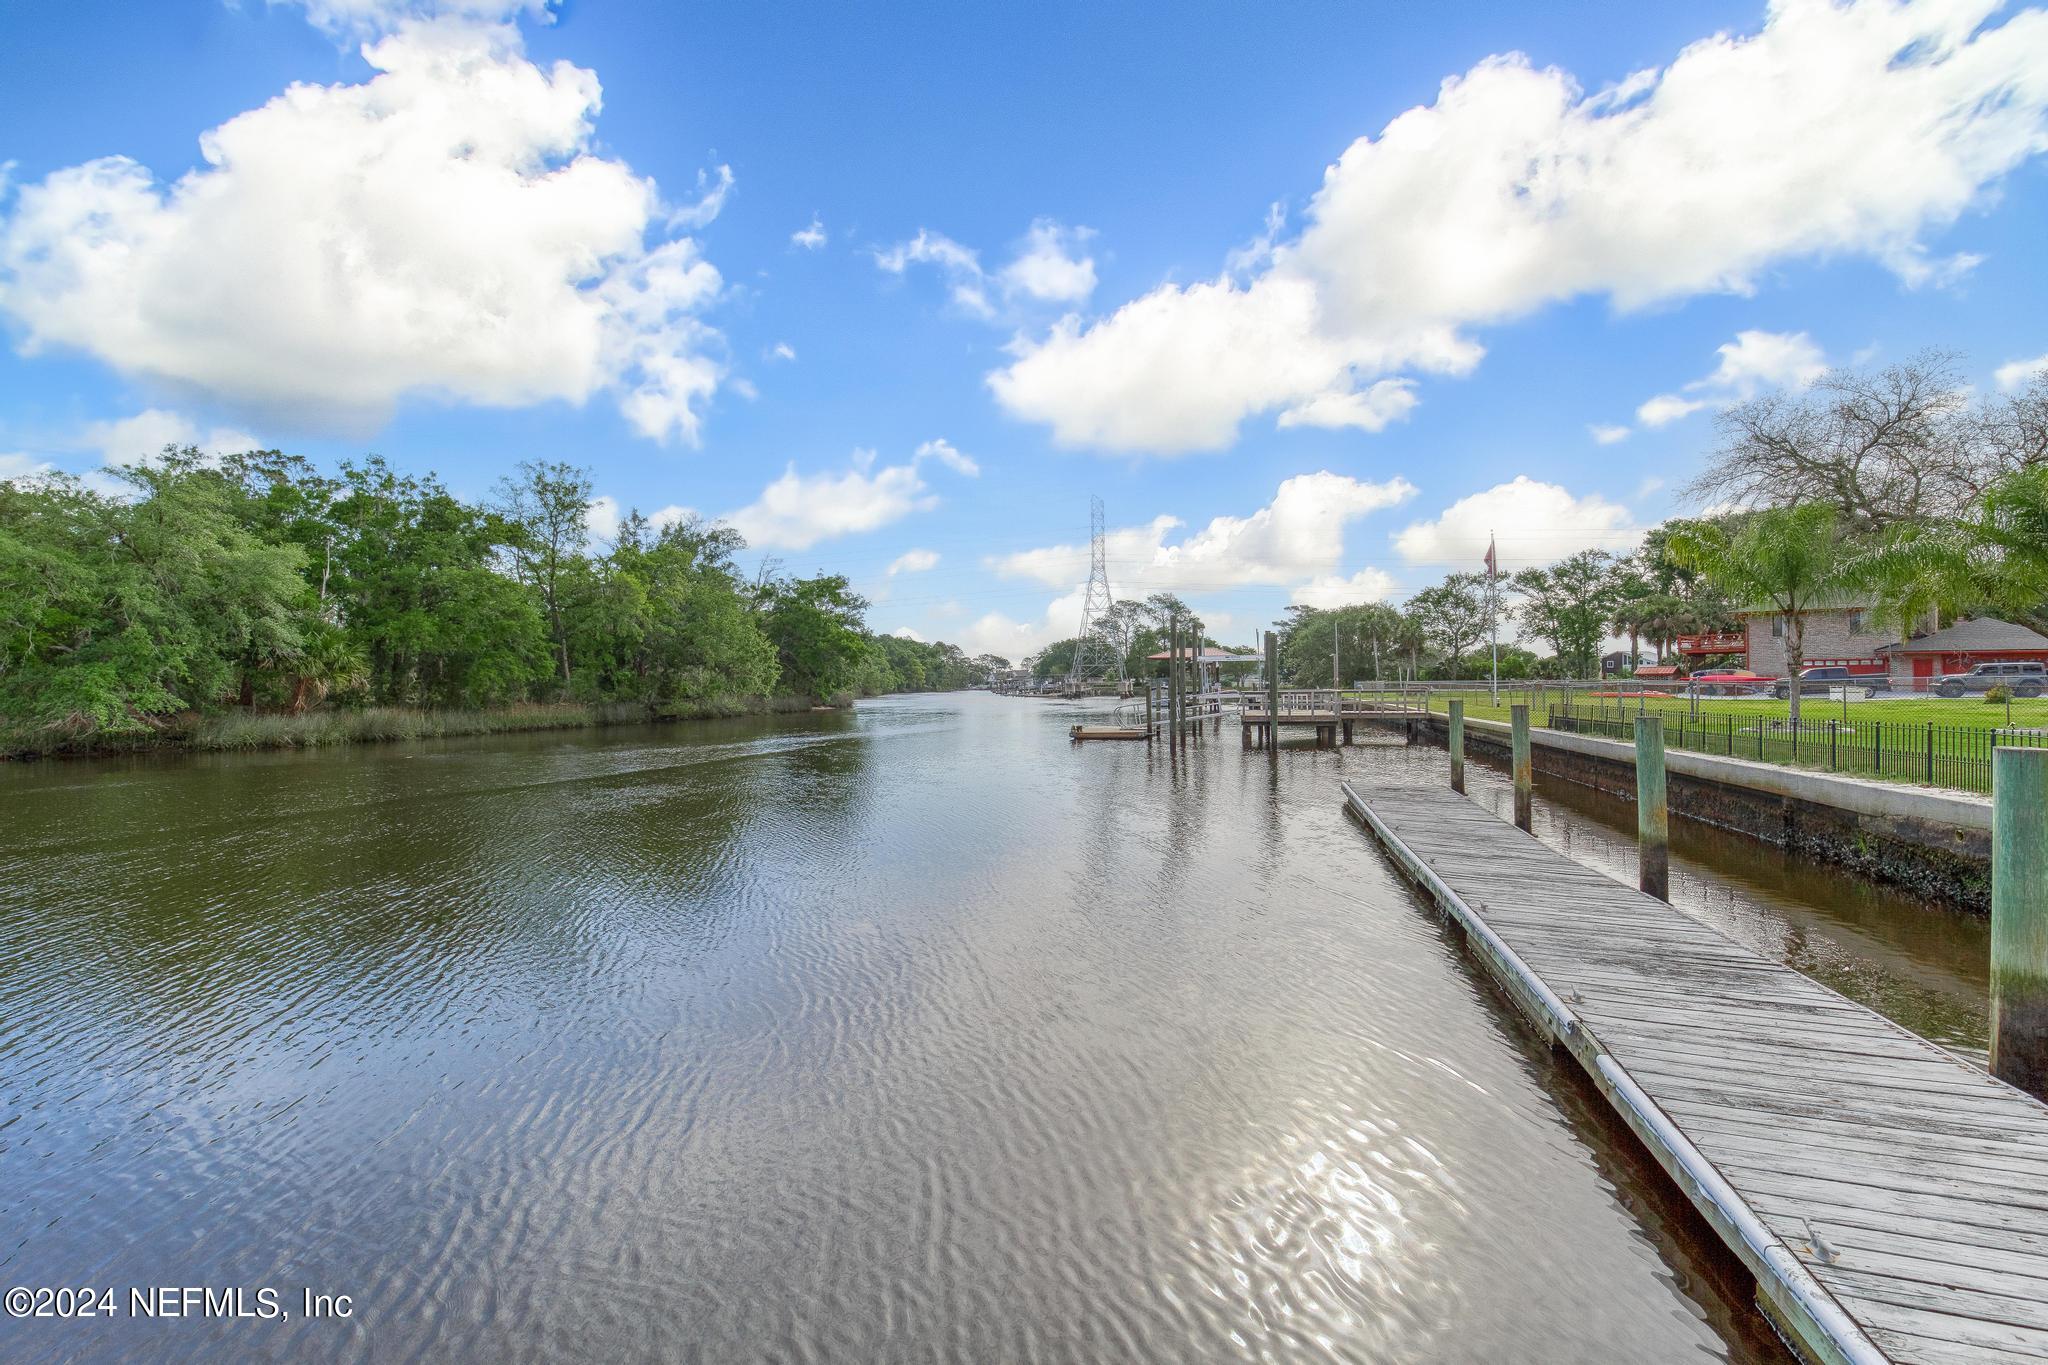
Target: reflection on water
911, 1034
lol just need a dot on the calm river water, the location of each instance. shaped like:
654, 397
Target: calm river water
910, 1034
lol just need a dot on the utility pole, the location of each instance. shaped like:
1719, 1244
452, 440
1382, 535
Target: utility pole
1096, 604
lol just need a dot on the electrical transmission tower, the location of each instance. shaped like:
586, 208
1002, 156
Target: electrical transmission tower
1095, 659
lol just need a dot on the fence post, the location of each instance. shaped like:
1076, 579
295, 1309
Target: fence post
1834, 740
2019, 917
1653, 815
1877, 747
1525, 774
1930, 753
1457, 743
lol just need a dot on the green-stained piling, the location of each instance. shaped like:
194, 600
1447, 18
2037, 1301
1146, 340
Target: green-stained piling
1653, 813
2019, 918
1457, 742
1525, 770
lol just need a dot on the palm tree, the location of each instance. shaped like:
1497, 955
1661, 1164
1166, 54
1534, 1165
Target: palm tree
1790, 559
1662, 618
1996, 555
1633, 617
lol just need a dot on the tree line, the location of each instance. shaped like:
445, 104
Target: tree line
1650, 597
1900, 487
257, 582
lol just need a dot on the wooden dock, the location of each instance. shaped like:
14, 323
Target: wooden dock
1890, 1198
1084, 732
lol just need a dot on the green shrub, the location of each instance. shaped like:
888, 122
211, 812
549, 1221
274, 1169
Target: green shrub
1999, 695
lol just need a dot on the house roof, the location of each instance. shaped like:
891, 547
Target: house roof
1211, 656
1986, 634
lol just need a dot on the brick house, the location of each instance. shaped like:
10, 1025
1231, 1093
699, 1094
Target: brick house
1836, 633
1918, 661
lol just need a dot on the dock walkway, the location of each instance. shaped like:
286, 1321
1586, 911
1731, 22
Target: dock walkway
1890, 1198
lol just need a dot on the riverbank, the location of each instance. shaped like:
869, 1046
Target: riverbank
243, 731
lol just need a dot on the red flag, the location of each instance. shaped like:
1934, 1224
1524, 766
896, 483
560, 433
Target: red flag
1491, 567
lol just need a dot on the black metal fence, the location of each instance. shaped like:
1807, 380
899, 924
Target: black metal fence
1957, 756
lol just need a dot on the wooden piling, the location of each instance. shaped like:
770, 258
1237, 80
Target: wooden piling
1653, 813
1272, 690
2019, 918
1173, 682
1525, 771
1457, 742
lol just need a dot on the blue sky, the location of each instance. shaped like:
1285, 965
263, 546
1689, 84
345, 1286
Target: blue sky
1311, 321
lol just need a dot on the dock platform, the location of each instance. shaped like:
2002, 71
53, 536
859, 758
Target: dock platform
1082, 732
1890, 1198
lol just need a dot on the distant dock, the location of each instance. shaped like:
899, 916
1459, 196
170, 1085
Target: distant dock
1890, 1199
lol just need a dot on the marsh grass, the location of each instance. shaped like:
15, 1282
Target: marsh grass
247, 731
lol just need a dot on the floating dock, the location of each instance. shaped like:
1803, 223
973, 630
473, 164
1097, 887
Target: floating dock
1080, 732
1890, 1198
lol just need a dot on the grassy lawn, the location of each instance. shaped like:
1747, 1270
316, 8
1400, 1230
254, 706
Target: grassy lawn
1927, 741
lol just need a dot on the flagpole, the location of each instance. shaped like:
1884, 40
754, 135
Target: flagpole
1493, 615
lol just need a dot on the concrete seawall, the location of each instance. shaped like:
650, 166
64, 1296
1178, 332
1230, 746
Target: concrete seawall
1933, 843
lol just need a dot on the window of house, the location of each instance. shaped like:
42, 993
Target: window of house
1777, 627
1856, 623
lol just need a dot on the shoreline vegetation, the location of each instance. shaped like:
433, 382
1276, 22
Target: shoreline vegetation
255, 601
247, 732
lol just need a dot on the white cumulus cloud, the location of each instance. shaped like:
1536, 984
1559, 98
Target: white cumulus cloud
1607, 435
960, 265
913, 561
811, 237
605, 514
1754, 361
1299, 535
797, 511
1667, 408
1336, 590
2014, 375
15, 464
1843, 129
443, 229
1296, 540
142, 437
367, 18
1050, 267
943, 450
1533, 522
1047, 268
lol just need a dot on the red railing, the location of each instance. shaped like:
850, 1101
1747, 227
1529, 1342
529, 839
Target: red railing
1719, 642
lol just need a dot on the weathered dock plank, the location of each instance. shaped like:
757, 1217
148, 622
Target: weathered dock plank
1890, 1198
